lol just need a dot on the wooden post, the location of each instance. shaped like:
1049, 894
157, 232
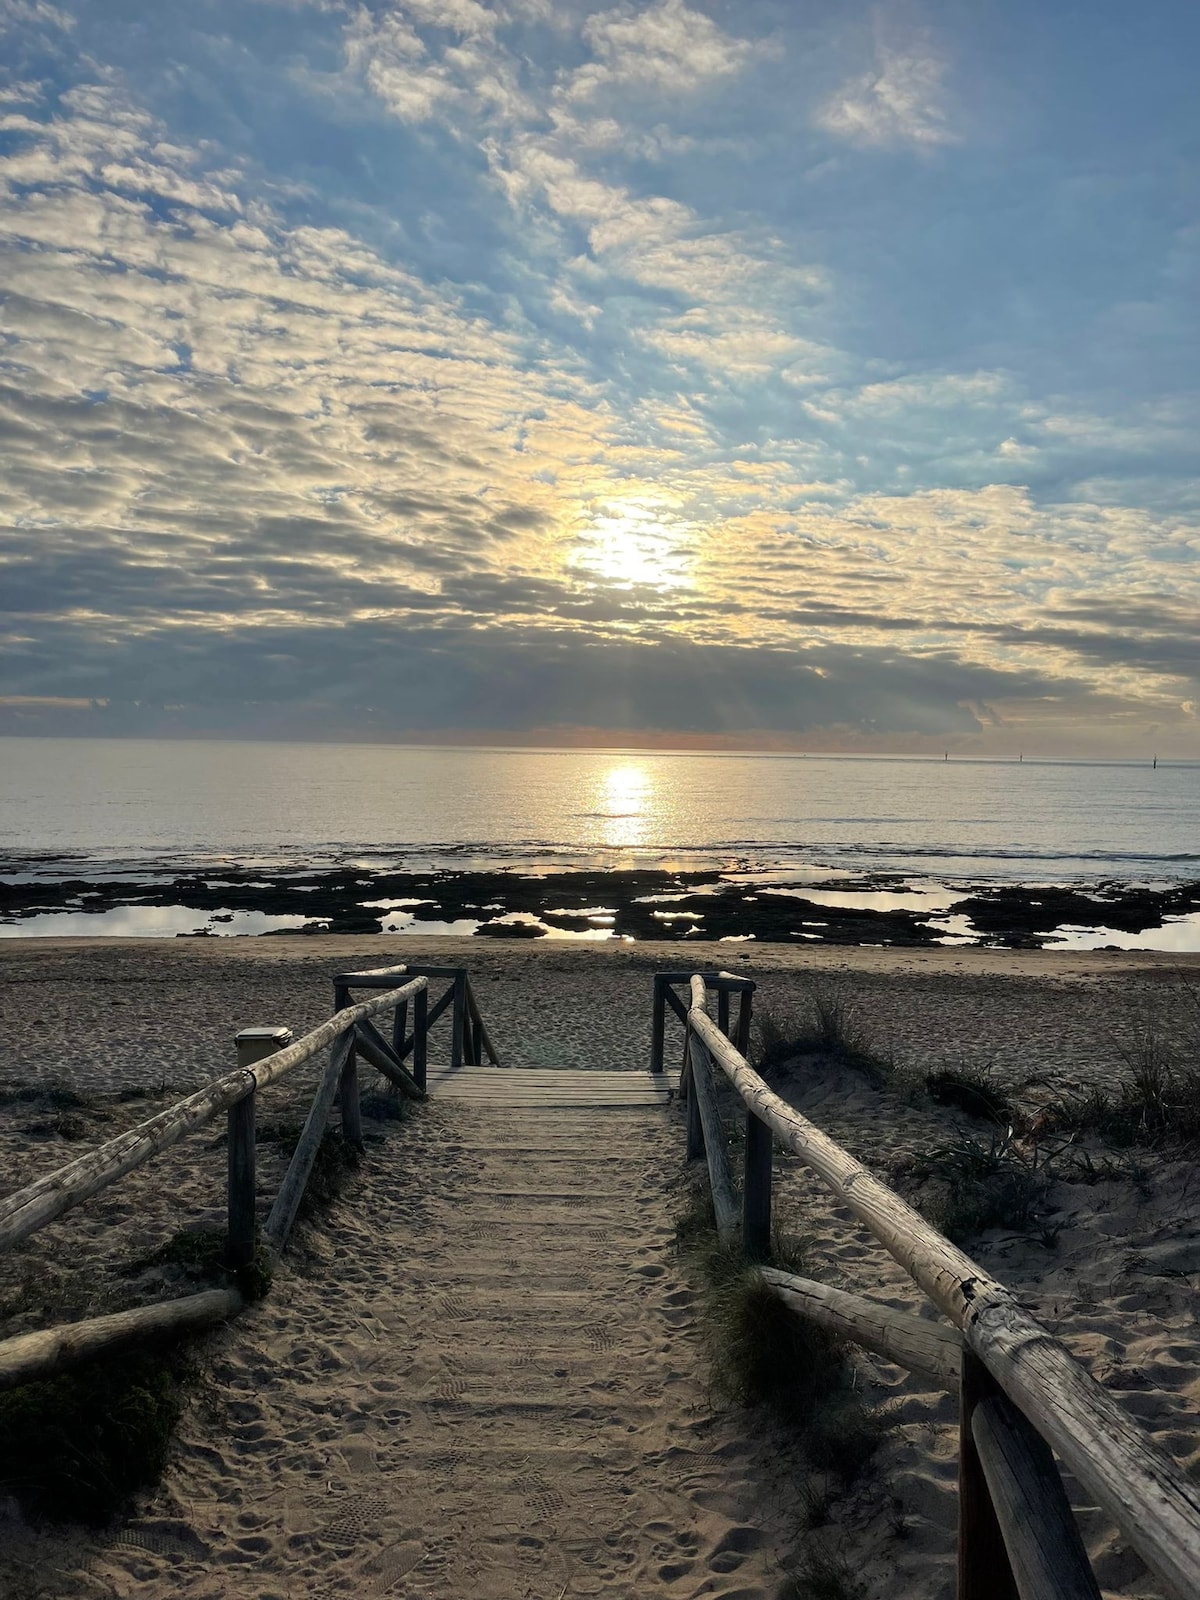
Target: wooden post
291, 1192
350, 1100
658, 1023
743, 1023
421, 1038
239, 1248
459, 1021
720, 1179
1040, 1532
695, 1129
984, 1571
756, 1195
400, 1028
723, 1012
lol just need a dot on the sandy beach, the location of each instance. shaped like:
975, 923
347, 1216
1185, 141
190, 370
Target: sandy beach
297, 1474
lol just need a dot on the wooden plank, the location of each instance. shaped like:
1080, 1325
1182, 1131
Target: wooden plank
240, 1184
712, 980
483, 1036
929, 1348
30, 1208
657, 1024
984, 1570
287, 1201
1151, 1500
371, 978
756, 1191
675, 1003
54, 1350
367, 1029
1041, 1535
420, 1053
384, 1062
433, 1013
725, 1206
349, 1096
458, 1024
745, 1008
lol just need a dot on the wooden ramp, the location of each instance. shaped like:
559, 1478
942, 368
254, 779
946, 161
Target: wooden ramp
548, 1087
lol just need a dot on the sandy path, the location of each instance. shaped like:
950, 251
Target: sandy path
480, 1380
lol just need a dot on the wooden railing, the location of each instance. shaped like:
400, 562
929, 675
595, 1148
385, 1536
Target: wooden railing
350, 1032
1023, 1396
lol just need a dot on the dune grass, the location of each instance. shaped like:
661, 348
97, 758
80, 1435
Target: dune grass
76, 1447
762, 1354
827, 1023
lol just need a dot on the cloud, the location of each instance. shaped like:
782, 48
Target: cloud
899, 100
667, 48
419, 371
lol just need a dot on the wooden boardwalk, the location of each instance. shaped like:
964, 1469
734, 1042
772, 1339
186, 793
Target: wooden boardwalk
551, 1087
498, 1393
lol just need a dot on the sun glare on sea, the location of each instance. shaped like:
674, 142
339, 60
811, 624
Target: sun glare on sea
624, 803
636, 544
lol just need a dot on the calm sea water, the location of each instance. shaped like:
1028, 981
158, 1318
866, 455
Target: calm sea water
82, 805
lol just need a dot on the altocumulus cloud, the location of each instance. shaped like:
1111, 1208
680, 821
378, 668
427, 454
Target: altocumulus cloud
373, 369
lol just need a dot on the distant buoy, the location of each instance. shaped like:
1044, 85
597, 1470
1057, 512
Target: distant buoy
1154, 765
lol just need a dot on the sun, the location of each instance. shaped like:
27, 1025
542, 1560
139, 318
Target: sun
634, 544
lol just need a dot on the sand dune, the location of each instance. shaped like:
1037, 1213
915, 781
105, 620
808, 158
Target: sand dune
482, 1372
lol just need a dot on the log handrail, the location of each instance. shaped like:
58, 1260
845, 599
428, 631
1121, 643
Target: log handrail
348, 1032
40, 1202
1154, 1504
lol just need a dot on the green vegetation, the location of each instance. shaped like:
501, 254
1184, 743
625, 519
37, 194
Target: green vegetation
76, 1447
198, 1257
972, 1090
762, 1354
822, 1575
827, 1024
978, 1183
54, 1095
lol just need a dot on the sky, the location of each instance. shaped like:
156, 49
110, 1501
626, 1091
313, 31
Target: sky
775, 373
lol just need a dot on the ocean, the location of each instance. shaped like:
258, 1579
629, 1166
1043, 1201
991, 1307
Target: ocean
143, 809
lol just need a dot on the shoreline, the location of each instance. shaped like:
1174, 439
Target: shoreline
807, 907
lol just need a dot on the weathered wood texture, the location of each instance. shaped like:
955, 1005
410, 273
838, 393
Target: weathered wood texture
1041, 1535
239, 1248
374, 1050
420, 1054
984, 1570
350, 1097
756, 1190
53, 1350
483, 1037
658, 1023
31, 1208
695, 1132
372, 978
929, 1348
458, 1025
433, 1013
720, 1178
1149, 1498
291, 1192
712, 980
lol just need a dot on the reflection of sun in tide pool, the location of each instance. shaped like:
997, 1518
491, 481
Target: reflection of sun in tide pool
637, 543
626, 793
